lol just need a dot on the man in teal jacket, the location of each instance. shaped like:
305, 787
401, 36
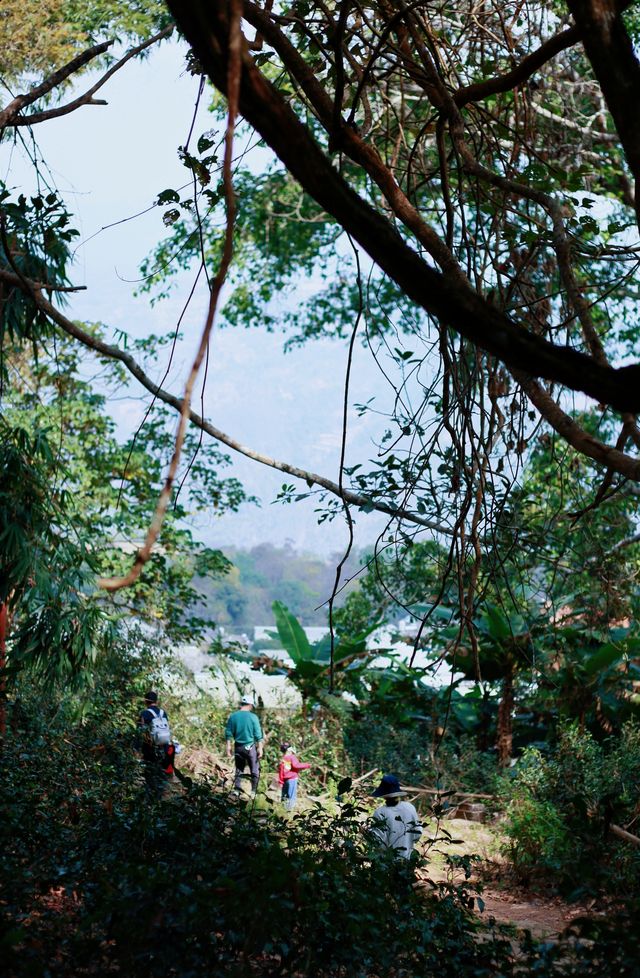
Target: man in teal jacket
244, 732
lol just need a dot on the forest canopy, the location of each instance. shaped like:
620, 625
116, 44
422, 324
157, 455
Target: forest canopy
455, 186
450, 189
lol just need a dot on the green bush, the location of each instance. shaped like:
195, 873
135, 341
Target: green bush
562, 805
409, 752
538, 837
96, 880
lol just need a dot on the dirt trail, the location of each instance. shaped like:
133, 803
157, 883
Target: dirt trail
543, 916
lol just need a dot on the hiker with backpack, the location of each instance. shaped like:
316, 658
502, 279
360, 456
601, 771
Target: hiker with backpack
243, 735
156, 744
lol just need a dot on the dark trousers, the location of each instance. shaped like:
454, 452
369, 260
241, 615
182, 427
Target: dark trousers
247, 756
158, 769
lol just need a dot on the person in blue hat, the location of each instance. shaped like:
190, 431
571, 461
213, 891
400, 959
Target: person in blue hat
396, 824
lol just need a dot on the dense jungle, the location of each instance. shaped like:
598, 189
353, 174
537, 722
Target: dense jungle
358, 273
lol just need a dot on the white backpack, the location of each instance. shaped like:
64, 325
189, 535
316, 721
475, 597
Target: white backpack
159, 730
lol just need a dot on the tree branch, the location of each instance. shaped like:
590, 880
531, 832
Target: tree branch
359, 500
144, 554
610, 51
521, 72
571, 432
17, 104
351, 142
206, 27
87, 99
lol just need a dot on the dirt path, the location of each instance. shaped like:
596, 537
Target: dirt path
544, 916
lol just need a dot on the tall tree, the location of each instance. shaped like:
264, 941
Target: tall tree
483, 160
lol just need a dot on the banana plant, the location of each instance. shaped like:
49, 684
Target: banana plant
593, 681
504, 647
312, 660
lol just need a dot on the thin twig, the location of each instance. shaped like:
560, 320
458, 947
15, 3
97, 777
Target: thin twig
87, 98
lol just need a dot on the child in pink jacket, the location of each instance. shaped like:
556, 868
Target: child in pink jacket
288, 775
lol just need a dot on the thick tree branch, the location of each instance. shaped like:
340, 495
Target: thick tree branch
521, 72
206, 28
610, 51
346, 136
573, 434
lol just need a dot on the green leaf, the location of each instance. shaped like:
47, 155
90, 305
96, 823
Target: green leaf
168, 197
605, 656
292, 634
498, 625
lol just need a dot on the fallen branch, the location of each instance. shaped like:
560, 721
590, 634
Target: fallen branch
621, 833
423, 790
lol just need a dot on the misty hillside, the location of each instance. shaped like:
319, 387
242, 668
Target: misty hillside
266, 573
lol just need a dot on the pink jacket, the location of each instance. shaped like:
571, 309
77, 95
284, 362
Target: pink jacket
289, 767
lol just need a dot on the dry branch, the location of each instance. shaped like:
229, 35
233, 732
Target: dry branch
8, 114
233, 85
111, 352
87, 98
623, 834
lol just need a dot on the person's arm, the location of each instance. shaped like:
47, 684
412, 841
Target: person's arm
380, 827
258, 735
142, 730
415, 827
297, 765
228, 736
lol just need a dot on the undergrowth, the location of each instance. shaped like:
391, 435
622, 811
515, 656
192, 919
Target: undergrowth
97, 880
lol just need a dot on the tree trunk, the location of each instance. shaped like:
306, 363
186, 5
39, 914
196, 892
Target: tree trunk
482, 736
3, 664
504, 741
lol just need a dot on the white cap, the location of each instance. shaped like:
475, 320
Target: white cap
246, 701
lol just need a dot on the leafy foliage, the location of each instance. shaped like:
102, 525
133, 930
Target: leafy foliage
92, 856
74, 503
96, 878
40, 37
562, 807
48, 569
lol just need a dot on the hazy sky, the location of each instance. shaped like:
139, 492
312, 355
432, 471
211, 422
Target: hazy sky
113, 161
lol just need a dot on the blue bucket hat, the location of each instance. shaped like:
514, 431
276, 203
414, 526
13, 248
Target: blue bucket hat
389, 787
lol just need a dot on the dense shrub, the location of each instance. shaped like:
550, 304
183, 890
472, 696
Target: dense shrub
562, 806
409, 751
95, 879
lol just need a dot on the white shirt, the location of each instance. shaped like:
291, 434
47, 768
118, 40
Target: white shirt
398, 827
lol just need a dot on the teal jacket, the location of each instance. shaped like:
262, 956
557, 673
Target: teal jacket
243, 727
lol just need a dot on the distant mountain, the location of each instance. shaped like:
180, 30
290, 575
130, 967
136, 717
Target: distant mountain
266, 573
